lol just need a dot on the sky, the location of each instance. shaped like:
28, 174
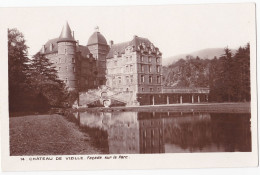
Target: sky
174, 29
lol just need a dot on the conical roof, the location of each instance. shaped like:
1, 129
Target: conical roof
66, 34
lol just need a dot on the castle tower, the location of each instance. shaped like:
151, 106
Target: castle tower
98, 46
67, 60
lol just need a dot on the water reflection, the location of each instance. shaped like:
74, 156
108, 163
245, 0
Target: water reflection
154, 132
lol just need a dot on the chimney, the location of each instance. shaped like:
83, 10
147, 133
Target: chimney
77, 45
111, 43
43, 48
73, 34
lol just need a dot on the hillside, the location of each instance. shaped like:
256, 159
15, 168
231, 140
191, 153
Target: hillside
208, 53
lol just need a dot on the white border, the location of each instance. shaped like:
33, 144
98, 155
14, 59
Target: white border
3, 65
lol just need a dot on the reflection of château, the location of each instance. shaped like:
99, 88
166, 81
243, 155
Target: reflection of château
153, 132
130, 72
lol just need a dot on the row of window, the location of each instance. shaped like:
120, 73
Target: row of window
67, 68
66, 60
149, 59
151, 89
158, 79
127, 59
128, 80
149, 68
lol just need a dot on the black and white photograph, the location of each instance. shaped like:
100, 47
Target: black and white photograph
155, 83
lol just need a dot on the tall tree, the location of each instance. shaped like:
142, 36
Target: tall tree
45, 82
17, 70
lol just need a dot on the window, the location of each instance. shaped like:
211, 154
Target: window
132, 78
66, 80
149, 59
127, 79
74, 69
142, 58
65, 51
142, 78
158, 89
151, 89
150, 68
127, 68
59, 68
157, 60
73, 60
51, 47
158, 79
119, 80
67, 68
115, 63
131, 68
142, 68
59, 60
130, 58
150, 79
142, 89
158, 69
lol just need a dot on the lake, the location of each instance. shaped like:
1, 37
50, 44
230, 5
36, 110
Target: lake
166, 132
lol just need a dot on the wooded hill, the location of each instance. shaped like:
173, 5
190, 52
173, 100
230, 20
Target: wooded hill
227, 76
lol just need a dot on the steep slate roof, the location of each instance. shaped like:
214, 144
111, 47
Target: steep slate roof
97, 38
66, 34
54, 44
83, 49
120, 47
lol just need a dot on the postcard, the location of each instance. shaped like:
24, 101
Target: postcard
128, 87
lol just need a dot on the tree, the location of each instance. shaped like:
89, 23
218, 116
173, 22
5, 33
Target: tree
230, 76
242, 73
45, 82
17, 70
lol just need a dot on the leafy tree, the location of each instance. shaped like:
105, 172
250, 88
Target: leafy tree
230, 76
45, 82
17, 70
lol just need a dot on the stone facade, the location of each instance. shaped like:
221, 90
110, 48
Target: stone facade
133, 66
80, 67
131, 72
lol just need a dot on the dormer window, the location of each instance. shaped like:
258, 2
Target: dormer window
51, 47
43, 48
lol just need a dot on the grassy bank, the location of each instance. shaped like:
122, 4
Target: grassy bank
195, 107
47, 135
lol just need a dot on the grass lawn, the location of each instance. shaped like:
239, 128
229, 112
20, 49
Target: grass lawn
47, 135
